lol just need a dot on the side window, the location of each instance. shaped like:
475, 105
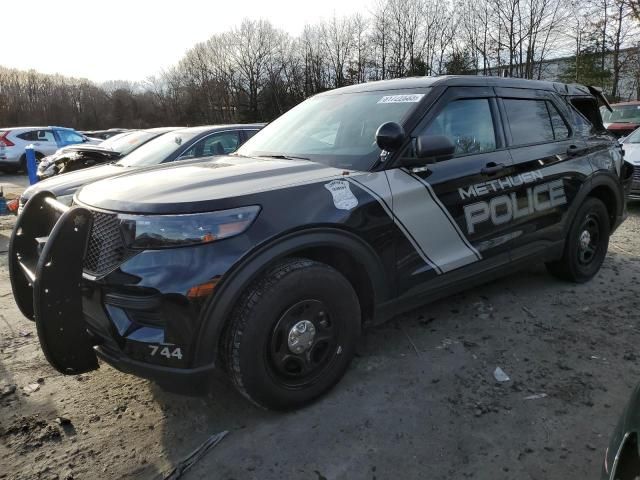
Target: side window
534, 121
217, 144
583, 126
250, 133
469, 125
588, 108
560, 128
46, 136
68, 137
29, 136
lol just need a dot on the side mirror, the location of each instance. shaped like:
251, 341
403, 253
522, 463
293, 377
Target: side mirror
438, 147
390, 136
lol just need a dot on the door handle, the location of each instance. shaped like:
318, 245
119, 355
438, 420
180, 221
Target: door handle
491, 168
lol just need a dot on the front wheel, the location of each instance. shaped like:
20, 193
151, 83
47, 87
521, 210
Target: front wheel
586, 245
293, 334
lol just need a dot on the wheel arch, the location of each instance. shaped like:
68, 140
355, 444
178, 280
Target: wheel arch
37, 153
604, 188
344, 251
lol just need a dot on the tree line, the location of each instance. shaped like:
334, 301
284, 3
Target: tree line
255, 71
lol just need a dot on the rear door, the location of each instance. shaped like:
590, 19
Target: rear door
550, 165
444, 208
43, 140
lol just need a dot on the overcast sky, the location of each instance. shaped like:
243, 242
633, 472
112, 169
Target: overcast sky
132, 39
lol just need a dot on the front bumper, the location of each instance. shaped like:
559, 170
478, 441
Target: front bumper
130, 315
178, 380
10, 157
634, 192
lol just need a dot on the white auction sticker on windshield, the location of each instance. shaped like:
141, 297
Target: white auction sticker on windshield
413, 98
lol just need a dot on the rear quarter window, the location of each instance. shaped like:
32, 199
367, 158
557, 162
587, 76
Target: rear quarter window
31, 136
588, 108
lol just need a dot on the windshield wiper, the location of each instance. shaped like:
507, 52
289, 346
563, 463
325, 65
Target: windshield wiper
284, 157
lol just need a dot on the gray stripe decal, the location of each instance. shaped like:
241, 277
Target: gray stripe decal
454, 224
428, 224
377, 185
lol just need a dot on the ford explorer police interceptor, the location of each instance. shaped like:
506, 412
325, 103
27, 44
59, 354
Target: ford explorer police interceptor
357, 204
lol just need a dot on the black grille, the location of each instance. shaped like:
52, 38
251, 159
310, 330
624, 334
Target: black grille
636, 173
106, 248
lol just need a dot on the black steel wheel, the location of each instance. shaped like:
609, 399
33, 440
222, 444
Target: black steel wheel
588, 239
586, 245
305, 341
293, 334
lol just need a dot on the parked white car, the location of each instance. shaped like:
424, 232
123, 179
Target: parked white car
631, 147
46, 140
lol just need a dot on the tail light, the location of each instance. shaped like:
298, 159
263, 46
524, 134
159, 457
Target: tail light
4, 140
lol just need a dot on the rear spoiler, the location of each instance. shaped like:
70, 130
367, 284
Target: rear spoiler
597, 92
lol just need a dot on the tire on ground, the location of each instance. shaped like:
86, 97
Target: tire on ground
592, 216
255, 322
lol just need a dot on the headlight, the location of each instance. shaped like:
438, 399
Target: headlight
163, 231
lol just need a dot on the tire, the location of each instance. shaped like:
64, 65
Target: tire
259, 356
23, 163
586, 245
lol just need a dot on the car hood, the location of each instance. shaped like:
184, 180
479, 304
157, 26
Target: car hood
199, 187
632, 152
68, 183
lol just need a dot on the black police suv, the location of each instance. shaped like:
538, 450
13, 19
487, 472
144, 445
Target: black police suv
357, 204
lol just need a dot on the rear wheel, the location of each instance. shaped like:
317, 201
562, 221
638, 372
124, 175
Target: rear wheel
293, 334
587, 243
22, 167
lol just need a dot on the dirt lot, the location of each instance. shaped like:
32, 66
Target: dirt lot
420, 400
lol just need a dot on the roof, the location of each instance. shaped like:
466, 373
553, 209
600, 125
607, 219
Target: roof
462, 81
208, 128
37, 128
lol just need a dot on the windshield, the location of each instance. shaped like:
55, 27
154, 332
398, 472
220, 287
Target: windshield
127, 142
336, 130
633, 137
157, 150
621, 114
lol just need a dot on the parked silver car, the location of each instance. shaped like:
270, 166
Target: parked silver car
46, 140
631, 147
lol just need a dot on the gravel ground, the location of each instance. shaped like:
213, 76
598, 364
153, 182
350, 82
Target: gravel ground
419, 401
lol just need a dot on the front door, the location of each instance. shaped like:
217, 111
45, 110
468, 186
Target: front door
451, 211
46, 142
